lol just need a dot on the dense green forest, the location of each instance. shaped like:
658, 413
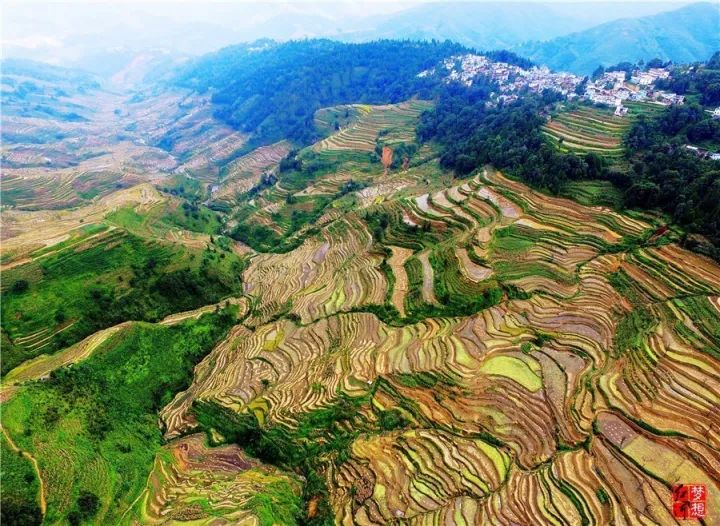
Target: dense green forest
668, 176
273, 90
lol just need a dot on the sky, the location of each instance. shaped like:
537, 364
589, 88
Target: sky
72, 33
37, 26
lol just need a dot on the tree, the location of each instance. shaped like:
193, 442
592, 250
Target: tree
595, 165
20, 286
714, 61
599, 71
654, 63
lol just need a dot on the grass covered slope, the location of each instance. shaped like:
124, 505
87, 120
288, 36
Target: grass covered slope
135, 263
20, 502
93, 427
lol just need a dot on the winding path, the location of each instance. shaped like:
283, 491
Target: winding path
41, 494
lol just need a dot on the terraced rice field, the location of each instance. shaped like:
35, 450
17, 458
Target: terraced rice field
397, 264
190, 481
395, 123
51, 163
323, 276
427, 351
586, 130
539, 394
245, 172
27, 232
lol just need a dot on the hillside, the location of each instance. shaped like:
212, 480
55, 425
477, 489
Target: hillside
300, 284
391, 374
273, 90
483, 25
688, 34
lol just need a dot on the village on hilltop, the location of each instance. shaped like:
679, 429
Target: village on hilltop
610, 88
613, 88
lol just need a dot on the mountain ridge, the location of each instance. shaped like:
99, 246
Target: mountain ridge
688, 34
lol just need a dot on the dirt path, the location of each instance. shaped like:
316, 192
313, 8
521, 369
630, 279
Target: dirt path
173, 319
397, 263
41, 485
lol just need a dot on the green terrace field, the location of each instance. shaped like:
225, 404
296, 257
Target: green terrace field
93, 427
587, 129
395, 123
331, 120
135, 265
593, 193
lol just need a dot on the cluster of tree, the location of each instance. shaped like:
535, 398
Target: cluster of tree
273, 90
155, 292
401, 152
19, 513
668, 176
507, 136
321, 439
687, 123
266, 181
290, 162
503, 55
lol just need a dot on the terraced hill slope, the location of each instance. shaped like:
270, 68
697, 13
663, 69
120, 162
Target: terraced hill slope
593, 130
394, 348
395, 123
64, 147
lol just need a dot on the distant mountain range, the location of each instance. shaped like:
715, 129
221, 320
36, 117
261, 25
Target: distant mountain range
496, 25
572, 36
688, 34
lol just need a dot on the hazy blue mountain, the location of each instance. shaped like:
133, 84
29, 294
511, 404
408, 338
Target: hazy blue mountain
494, 25
105, 37
688, 34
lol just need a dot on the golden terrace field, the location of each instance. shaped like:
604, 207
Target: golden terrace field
424, 350
395, 122
471, 447
52, 163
